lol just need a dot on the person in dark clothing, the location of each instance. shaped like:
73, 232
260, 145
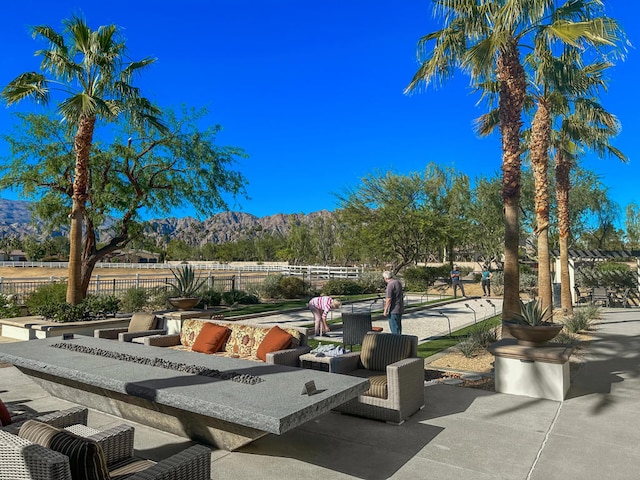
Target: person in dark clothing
393, 303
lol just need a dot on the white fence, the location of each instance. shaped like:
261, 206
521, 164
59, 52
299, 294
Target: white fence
314, 270
222, 277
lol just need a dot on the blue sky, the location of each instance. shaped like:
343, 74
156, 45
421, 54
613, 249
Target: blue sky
312, 91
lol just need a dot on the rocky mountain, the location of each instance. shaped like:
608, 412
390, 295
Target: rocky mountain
227, 226
15, 220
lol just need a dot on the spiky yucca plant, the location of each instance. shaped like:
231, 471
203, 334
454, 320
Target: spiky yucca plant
532, 314
186, 283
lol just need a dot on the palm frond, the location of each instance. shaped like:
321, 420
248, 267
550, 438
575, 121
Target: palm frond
27, 85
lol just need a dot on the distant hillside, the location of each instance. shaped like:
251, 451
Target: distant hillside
227, 226
15, 219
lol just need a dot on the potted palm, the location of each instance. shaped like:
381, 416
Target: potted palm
533, 325
185, 288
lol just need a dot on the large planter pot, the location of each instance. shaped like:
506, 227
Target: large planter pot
184, 303
533, 336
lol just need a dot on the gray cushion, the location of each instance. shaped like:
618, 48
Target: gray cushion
141, 322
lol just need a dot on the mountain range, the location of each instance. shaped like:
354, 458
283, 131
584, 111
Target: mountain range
16, 220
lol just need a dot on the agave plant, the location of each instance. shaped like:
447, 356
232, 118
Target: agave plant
532, 314
186, 283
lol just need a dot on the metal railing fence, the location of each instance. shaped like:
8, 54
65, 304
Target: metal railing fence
236, 279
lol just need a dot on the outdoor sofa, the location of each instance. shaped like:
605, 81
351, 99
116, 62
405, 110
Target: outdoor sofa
141, 325
270, 344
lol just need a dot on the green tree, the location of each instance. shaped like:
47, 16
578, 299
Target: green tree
323, 238
448, 199
632, 226
92, 72
387, 216
486, 227
485, 39
33, 249
139, 171
179, 250
8, 243
299, 244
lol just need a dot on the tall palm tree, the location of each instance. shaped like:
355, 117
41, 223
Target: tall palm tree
588, 126
484, 38
91, 72
557, 82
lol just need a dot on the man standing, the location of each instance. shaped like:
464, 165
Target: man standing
456, 282
393, 303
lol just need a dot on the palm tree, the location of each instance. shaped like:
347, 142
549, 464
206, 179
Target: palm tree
590, 126
91, 71
484, 38
557, 82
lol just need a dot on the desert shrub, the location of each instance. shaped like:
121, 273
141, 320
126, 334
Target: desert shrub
528, 282
497, 282
135, 299
63, 312
270, 286
371, 282
102, 305
293, 287
419, 279
157, 298
239, 296
9, 308
211, 298
580, 321
468, 347
484, 334
52, 293
341, 286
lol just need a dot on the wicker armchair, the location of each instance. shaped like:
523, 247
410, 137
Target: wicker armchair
60, 419
140, 325
116, 442
396, 374
23, 459
354, 327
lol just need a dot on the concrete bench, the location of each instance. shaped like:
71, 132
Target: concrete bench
33, 327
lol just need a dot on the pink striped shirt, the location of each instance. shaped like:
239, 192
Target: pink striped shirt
322, 303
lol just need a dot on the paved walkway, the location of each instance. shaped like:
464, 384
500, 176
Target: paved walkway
425, 323
461, 434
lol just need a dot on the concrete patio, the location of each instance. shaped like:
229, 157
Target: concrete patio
462, 433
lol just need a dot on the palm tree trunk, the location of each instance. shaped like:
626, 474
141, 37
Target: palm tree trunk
563, 186
82, 147
511, 100
539, 151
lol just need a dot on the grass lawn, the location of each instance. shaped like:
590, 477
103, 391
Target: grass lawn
437, 345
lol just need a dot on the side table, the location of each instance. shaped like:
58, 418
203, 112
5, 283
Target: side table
323, 363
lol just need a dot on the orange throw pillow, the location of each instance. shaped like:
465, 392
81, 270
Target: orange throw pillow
5, 416
276, 339
211, 338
